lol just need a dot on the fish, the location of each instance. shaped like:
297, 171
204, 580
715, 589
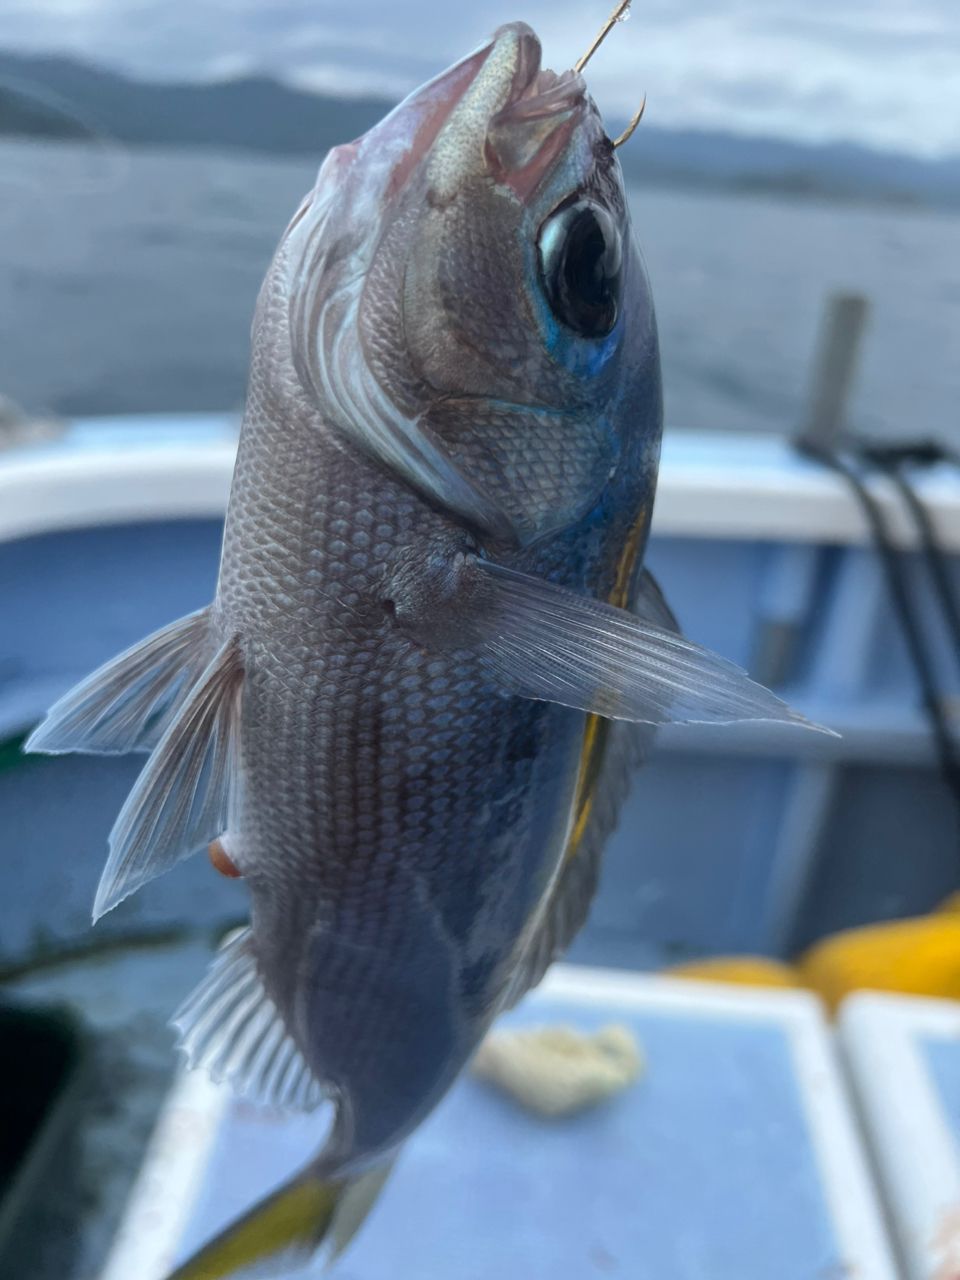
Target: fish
434, 656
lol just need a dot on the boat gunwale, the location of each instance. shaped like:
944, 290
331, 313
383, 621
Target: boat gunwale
717, 485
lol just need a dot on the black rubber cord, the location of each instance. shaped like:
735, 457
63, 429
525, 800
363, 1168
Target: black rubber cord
892, 461
895, 570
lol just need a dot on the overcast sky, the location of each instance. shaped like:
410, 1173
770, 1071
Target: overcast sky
885, 72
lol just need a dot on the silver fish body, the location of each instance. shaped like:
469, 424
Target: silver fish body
402, 818
433, 654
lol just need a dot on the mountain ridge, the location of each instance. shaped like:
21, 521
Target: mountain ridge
55, 96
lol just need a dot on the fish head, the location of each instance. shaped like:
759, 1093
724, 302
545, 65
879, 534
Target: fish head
465, 281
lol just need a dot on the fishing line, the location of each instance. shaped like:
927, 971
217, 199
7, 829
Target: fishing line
88, 130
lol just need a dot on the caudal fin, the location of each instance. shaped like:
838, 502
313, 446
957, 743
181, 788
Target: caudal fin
284, 1232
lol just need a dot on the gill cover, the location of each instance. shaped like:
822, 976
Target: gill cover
329, 250
433, 324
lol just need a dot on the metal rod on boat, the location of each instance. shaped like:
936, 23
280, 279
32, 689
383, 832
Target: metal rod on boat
838, 350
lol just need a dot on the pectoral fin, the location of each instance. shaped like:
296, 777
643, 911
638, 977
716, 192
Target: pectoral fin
552, 644
543, 641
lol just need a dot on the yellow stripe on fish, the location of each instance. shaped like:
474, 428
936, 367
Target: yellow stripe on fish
597, 730
289, 1224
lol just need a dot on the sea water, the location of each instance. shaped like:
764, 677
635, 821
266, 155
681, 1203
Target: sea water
128, 279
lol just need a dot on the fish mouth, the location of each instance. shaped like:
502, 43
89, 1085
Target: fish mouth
542, 111
511, 120
497, 111
535, 92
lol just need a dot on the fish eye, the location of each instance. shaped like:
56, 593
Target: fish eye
581, 267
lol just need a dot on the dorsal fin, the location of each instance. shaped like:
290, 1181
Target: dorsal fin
183, 797
127, 704
230, 1026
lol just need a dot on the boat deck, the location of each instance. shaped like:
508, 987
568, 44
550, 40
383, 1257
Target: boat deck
113, 529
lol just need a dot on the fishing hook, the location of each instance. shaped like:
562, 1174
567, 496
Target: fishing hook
619, 13
631, 127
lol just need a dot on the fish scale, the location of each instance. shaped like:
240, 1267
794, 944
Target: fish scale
343, 759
